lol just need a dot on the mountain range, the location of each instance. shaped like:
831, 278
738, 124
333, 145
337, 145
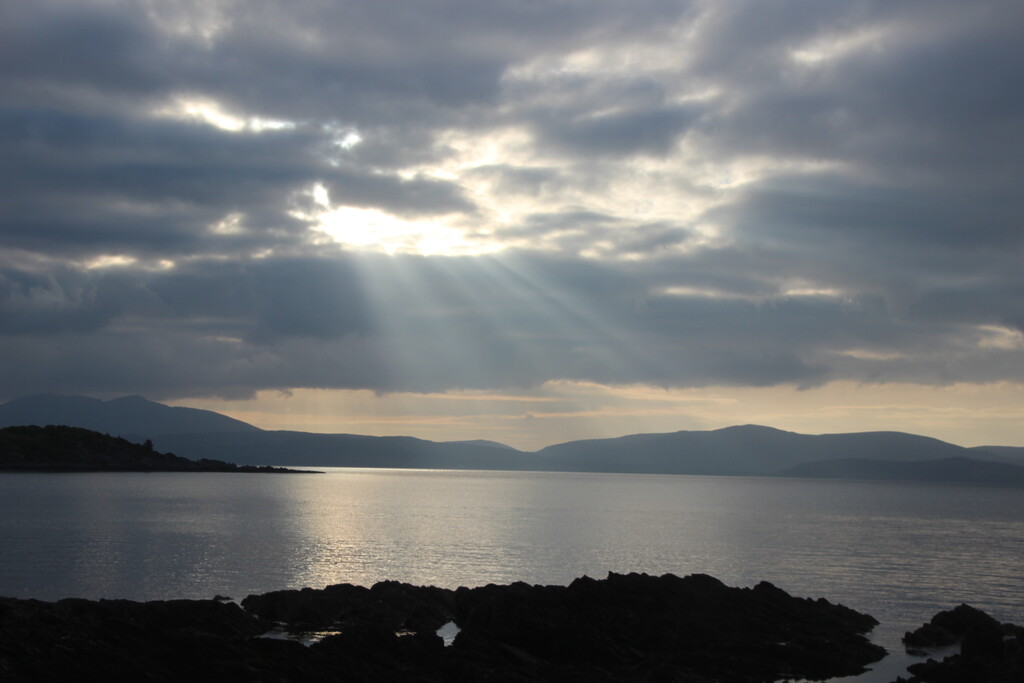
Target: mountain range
749, 450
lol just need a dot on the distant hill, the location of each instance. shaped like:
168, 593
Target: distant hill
132, 417
1011, 454
748, 449
72, 449
342, 450
199, 434
742, 450
480, 442
944, 470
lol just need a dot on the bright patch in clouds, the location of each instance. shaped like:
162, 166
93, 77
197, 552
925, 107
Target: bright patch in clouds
109, 261
212, 113
229, 225
349, 139
835, 47
377, 230
829, 292
998, 337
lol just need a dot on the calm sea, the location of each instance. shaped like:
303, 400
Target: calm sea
898, 551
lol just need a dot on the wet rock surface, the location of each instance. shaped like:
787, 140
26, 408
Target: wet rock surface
623, 628
990, 652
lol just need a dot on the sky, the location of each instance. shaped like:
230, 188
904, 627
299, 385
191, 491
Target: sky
519, 220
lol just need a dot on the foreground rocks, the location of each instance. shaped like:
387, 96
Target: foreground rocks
990, 652
624, 628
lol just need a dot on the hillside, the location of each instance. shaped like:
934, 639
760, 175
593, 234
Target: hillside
1011, 454
342, 450
73, 449
749, 450
128, 416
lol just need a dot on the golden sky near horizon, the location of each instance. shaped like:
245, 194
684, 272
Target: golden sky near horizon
960, 414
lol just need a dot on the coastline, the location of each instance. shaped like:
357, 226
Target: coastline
60, 450
626, 627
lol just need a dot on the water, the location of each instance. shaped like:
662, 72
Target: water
898, 551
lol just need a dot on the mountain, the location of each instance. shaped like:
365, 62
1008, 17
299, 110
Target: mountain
1010, 454
748, 449
204, 434
742, 450
132, 417
480, 442
341, 450
944, 470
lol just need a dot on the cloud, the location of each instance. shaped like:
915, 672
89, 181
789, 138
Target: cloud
435, 323
647, 131
673, 193
507, 179
54, 302
414, 197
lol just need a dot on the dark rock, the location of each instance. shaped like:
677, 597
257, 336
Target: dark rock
960, 624
388, 605
929, 636
624, 628
963, 620
631, 627
122, 640
990, 652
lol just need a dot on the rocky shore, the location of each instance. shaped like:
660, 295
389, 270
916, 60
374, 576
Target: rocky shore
631, 627
990, 652
623, 628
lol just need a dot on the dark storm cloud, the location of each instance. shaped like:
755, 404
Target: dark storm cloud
47, 47
992, 299
516, 320
57, 301
796, 209
646, 131
81, 183
853, 169
272, 298
391, 63
929, 84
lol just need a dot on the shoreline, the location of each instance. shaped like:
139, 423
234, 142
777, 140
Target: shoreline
58, 449
626, 627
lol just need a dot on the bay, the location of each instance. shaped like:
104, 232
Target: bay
899, 551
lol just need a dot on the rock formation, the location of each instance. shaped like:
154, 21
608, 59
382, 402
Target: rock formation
990, 652
623, 628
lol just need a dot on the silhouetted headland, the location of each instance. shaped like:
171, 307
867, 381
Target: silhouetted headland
72, 449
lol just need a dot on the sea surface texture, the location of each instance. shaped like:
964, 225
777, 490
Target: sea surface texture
898, 551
